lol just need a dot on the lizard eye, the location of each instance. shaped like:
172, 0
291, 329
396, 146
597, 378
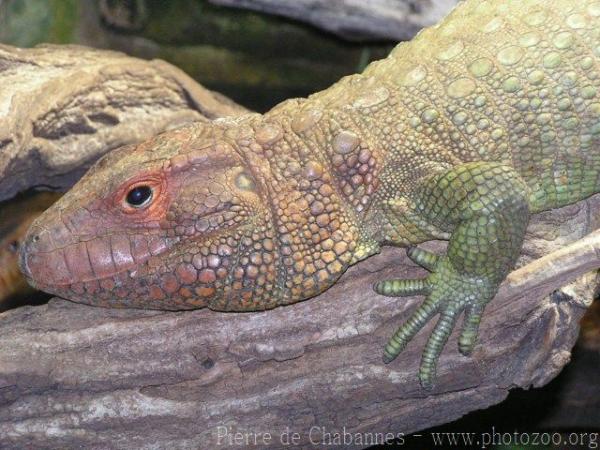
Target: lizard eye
139, 196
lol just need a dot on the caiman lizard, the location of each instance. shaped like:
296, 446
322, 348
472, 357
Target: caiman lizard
460, 134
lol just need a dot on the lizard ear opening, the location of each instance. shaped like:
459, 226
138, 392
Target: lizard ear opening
245, 182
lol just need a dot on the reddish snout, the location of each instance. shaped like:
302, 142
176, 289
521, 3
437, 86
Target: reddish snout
54, 256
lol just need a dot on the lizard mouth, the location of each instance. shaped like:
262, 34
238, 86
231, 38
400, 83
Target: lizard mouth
92, 260
49, 267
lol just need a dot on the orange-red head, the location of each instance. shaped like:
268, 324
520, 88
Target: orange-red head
199, 216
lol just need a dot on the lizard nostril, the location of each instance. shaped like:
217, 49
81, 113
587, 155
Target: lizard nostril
35, 238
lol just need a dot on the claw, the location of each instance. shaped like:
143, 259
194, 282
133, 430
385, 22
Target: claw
423, 258
387, 358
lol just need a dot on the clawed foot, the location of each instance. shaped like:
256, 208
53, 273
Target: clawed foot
448, 293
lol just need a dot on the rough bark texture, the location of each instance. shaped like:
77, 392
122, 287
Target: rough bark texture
73, 375
356, 19
62, 107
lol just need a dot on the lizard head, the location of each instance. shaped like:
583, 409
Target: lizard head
220, 215
171, 224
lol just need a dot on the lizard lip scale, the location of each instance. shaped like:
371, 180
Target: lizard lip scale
43, 258
50, 267
53, 259
460, 134
79, 262
41, 261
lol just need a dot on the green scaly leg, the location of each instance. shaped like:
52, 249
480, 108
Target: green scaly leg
485, 207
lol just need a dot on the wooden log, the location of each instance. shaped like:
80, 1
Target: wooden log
77, 376
356, 20
62, 107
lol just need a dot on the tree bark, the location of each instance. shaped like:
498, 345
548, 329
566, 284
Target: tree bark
356, 20
62, 107
73, 375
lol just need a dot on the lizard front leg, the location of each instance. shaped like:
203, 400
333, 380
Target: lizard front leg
485, 207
